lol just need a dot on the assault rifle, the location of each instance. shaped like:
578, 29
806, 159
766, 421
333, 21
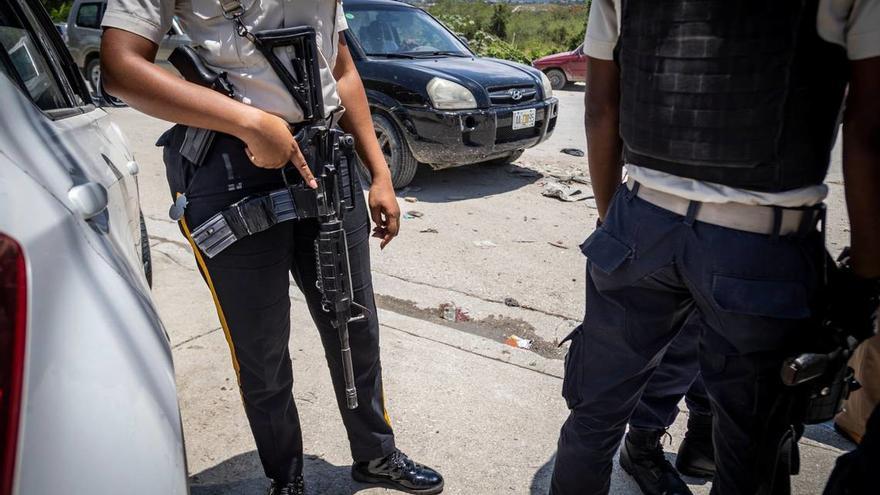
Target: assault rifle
329, 153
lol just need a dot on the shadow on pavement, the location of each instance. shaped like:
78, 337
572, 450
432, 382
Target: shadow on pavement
824, 433
541, 480
243, 475
468, 182
621, 483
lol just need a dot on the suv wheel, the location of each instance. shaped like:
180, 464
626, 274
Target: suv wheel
400, 159
93, 73
557, 78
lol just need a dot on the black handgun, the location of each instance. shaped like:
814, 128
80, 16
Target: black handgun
823, 374
191, 66
197, 141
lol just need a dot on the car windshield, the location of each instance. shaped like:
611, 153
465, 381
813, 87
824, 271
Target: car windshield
395, 32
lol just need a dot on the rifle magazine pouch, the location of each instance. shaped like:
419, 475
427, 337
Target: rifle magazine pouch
253, 215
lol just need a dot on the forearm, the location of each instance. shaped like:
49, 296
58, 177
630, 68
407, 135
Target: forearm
861, 171
129, 75
861, 165
601, 121
357, 121
603, 152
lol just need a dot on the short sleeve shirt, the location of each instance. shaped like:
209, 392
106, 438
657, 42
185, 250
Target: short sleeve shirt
215, 39
853, 24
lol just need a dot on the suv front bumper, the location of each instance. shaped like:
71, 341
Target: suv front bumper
445, 139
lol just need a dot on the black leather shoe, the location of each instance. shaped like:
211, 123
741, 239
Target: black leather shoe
398, 472
696, 455
295, 487
642, 457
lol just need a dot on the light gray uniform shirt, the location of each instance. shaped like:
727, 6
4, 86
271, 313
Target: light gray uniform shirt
214, 37
853, 24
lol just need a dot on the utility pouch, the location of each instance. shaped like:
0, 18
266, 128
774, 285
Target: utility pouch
197, 141
196, 144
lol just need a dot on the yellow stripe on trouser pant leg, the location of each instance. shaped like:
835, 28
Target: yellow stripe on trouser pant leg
204, 269
384, 409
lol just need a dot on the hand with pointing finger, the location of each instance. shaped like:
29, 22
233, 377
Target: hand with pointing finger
270, 144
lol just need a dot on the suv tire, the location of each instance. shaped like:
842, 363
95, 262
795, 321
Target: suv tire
400, 159
93, 72
557, 78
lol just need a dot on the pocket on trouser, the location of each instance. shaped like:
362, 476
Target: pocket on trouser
571, 381
772, 298
606, 257
605, 251
762, 315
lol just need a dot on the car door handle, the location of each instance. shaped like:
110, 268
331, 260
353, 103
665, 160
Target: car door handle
88, 199
133, 167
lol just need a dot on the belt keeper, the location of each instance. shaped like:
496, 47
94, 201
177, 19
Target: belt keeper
808, 222
691, 216
777, 222
632, 193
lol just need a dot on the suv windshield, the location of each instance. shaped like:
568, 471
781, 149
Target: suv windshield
389, 31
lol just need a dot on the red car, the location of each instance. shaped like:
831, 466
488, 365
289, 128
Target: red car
563, 68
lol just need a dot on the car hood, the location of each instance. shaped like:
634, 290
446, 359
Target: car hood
474, 72
553, 58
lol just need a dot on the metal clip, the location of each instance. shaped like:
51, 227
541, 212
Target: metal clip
214, 235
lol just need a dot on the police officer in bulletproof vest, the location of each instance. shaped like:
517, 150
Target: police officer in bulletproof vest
724, 115
255, 229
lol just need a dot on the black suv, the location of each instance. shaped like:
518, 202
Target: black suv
436, 102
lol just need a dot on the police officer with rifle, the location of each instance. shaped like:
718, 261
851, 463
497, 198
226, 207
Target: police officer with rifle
264, 187
724, 114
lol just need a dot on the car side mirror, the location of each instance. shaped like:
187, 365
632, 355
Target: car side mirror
463, 40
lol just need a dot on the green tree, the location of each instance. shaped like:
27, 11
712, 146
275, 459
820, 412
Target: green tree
58, 9
499, 20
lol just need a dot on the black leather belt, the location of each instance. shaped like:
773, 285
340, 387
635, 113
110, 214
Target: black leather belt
254, 214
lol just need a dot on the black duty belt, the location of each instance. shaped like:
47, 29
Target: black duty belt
254, 214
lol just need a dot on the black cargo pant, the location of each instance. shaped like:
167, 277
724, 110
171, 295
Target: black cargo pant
677, 376
250, 282
648, 270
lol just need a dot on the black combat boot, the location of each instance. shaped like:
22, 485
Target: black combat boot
642, 457
696, 455
295, 487
397, 471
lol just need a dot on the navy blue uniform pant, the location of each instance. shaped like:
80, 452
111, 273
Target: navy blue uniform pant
648, 269
677, 376
250, 283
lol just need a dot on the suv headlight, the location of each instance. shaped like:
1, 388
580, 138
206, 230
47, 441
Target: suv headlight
545, 83
448, 95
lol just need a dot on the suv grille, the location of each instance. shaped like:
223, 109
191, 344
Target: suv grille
512, 95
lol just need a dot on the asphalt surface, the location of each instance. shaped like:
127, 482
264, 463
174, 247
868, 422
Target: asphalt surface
484, 413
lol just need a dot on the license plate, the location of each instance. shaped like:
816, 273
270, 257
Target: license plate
523, 119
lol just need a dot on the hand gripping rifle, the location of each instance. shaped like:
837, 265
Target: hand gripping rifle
329, 153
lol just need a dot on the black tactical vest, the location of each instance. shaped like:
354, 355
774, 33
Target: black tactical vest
742, 93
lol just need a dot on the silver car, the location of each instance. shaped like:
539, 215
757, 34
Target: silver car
87, 395
84, 38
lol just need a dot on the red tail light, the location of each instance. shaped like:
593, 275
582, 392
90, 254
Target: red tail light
13, 306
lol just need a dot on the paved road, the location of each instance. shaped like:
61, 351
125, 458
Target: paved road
485, 413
